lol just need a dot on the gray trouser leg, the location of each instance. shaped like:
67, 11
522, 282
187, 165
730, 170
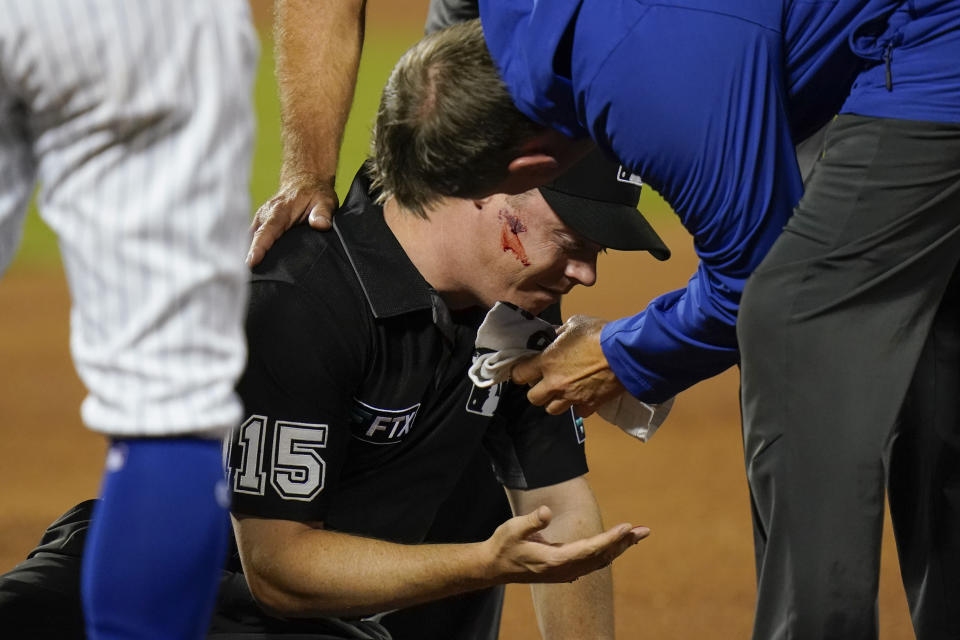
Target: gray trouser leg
923, 479
831, 328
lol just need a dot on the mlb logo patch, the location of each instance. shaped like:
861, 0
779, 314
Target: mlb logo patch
381, 426
625, 175
484, 400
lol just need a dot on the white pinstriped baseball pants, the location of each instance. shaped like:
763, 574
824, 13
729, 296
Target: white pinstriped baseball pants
135, 118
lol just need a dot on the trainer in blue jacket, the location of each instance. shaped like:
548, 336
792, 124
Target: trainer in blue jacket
849, 333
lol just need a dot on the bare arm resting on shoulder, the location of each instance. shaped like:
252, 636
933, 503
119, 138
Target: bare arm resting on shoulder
317, 46
301, 570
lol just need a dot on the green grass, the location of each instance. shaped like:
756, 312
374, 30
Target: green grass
38, 248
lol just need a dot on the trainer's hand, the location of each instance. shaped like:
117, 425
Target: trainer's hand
300, 197
572, 371
520, 554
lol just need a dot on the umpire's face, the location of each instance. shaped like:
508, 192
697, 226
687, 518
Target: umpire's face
531, 257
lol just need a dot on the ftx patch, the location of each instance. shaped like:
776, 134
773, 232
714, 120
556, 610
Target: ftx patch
381, 426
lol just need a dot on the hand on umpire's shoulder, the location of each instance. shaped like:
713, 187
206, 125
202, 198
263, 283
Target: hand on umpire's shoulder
518, 552
301, 196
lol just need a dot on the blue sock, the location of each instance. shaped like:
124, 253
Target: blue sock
156, 545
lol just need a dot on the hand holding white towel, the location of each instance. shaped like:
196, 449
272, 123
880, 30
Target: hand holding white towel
509, 333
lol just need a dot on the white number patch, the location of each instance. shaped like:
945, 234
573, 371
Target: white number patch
250, 476
298, 469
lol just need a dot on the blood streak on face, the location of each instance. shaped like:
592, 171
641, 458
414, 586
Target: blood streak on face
510, 229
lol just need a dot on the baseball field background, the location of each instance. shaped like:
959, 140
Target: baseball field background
692, 578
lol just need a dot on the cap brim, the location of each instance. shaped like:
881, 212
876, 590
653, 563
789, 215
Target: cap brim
615, 226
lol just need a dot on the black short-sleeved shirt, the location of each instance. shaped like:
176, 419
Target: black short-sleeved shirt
360, 411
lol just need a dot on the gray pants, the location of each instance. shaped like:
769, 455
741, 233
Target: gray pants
850, 346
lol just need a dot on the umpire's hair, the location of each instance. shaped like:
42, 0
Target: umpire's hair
446, 125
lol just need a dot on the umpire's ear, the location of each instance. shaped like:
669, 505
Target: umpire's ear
541, 159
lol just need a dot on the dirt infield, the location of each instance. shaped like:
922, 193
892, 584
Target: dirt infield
693, 578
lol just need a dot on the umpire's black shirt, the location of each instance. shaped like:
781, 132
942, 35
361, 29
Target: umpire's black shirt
360, 411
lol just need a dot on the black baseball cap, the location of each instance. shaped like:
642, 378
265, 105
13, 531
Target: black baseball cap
598, 199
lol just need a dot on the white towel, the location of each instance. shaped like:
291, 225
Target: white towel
509, 333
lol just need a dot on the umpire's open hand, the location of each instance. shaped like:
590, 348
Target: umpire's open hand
300, 197
572, 371
520, 554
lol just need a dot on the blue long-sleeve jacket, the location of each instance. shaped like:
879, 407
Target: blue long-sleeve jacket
705, 99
